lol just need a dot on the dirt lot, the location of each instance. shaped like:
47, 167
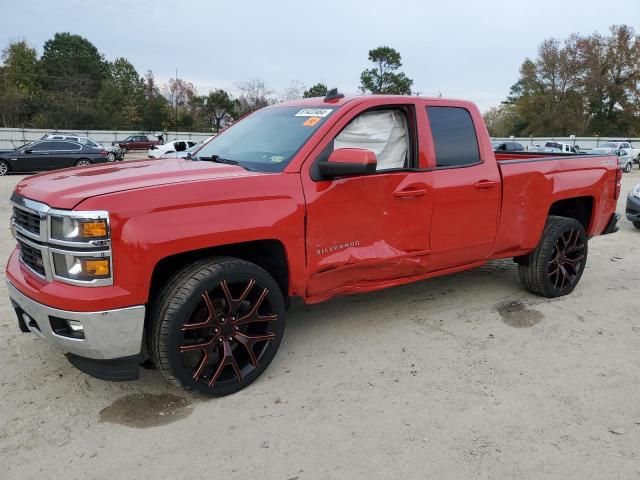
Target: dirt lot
460, 377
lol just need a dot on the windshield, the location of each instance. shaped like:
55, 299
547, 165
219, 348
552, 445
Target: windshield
608, 145
21, 147
268, 139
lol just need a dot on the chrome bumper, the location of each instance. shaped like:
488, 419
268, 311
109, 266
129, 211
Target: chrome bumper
107, 335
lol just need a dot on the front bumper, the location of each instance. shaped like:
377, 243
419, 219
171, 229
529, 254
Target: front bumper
633, 208
108, 335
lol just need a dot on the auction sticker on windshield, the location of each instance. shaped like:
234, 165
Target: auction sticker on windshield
314, 112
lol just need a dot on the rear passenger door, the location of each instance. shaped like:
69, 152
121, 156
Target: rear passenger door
64, 154
466, 190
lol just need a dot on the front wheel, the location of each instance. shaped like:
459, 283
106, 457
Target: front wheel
218, 323
4, 168
554, 268
627, 167
637, 225
111, 157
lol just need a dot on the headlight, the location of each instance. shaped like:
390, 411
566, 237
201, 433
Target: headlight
80, 247
81, 268
72, 229
636, 191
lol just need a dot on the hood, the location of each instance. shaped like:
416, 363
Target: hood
66, 188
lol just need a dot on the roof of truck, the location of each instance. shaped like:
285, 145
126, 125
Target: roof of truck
338, 102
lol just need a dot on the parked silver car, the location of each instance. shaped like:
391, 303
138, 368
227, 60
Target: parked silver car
625, 157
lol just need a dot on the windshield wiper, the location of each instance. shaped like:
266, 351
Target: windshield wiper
218, 159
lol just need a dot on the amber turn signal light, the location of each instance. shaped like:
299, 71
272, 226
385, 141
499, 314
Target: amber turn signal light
96, 229
96, 267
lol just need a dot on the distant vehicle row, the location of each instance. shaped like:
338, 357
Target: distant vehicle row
625, 152
113, 153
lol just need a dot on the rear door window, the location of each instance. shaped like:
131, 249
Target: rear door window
66, 146
454, 136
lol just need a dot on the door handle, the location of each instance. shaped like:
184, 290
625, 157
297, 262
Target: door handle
410, 193
485, 184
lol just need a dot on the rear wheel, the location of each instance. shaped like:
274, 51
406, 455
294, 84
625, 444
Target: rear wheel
4, 168
627, 167
218, 323
555, 267
83, 162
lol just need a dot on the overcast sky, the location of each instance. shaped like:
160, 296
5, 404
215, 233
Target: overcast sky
465, 49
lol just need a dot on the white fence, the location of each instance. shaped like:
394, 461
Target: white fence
14, 137
585, 143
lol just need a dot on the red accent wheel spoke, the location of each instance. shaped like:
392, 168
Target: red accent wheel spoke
234, 303
207, 346
203, 361
573, 262
253, 315
250, 341
209, 321
226, 359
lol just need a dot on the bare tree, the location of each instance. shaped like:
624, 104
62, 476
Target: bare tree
294, 91
254, 95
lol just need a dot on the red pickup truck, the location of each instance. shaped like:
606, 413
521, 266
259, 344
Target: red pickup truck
137, 142
193, 262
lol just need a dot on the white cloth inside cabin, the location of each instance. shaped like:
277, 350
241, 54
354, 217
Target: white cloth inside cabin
384, 132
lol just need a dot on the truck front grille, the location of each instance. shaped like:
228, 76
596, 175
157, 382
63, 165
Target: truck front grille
32, 258
28, 220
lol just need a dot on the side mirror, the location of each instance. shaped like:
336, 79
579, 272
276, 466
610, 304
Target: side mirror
348, 161
28, 151
188, 156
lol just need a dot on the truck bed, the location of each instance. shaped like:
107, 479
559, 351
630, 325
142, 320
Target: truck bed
533, 182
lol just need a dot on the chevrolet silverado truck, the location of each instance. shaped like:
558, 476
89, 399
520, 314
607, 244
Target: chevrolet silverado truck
192, 263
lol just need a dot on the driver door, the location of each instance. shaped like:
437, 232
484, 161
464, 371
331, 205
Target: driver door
372, 228
38, 157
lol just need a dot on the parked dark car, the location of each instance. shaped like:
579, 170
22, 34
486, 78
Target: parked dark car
633, 206
49, 155
137, 142
507, 147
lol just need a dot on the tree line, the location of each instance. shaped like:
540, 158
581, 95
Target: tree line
72, 86
582, 85
585, 85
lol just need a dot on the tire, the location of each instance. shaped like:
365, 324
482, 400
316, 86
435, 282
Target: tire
83, 162
636, 224
4, 168
555, 267
627, 167
217, 324
111, 157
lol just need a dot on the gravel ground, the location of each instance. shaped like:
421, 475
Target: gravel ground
460, 377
